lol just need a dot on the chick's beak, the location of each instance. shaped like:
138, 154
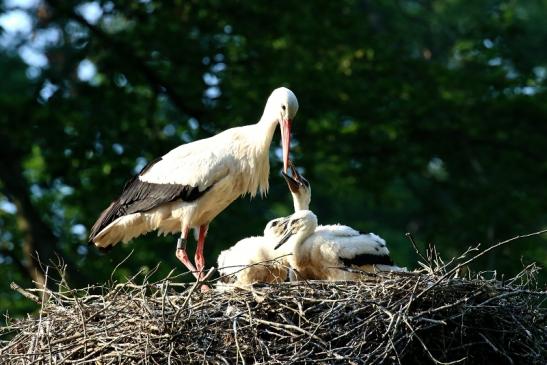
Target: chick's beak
295, 181
293, 184
283, 239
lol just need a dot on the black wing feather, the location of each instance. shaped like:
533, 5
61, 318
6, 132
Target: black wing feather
139, 196
367, 259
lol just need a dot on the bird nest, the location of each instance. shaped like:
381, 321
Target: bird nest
430, 316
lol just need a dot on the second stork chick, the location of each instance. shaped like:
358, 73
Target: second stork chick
332, 252
252, 260
317, 254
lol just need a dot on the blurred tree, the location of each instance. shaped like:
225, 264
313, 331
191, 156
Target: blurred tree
415, 116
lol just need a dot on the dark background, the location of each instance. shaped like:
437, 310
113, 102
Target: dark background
415, 116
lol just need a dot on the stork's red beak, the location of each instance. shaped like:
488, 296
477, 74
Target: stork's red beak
286, 142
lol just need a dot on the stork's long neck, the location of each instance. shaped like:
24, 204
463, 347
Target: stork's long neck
295, 249
301, 201
260, 141
266, 129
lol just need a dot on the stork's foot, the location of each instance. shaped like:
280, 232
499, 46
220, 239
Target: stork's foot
198, 272
182, 255
205, 288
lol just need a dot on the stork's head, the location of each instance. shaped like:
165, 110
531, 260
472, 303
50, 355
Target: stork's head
300, 188
275, 227
297, 227
282, 106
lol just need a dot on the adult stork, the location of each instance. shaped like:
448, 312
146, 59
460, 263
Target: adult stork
190, 185
331, 247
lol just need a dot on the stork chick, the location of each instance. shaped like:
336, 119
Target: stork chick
252, 260
320, 255
332, 250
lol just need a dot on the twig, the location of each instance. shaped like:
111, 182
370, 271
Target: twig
482, 253
25, 293
238, 351
411, 238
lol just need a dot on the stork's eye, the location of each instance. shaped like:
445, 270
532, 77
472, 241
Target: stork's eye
274, 223
283, 107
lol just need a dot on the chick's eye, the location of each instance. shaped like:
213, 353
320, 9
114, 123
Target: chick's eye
283, 107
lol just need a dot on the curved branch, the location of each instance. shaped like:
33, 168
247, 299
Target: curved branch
130, 56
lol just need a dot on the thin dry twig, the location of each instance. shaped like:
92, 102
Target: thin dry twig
411, 239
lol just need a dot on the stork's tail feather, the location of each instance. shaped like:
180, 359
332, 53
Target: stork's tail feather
114, 226
102, 249
123, 229
107, 216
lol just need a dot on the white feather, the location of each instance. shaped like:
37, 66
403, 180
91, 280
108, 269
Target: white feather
204, 162
253, 260
349, 247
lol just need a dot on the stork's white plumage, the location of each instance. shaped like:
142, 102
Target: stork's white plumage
252, 260
331, 249
326, 254
190, 185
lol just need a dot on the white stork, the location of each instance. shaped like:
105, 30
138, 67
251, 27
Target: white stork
190, 185
322, 254
331, 249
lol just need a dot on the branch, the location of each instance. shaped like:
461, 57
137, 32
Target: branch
25, 293
411, 238
130, 55
459, 266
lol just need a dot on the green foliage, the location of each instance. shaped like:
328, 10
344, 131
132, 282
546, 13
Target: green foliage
415, 116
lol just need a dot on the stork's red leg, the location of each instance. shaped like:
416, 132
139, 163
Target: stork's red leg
199, 259
182, 255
